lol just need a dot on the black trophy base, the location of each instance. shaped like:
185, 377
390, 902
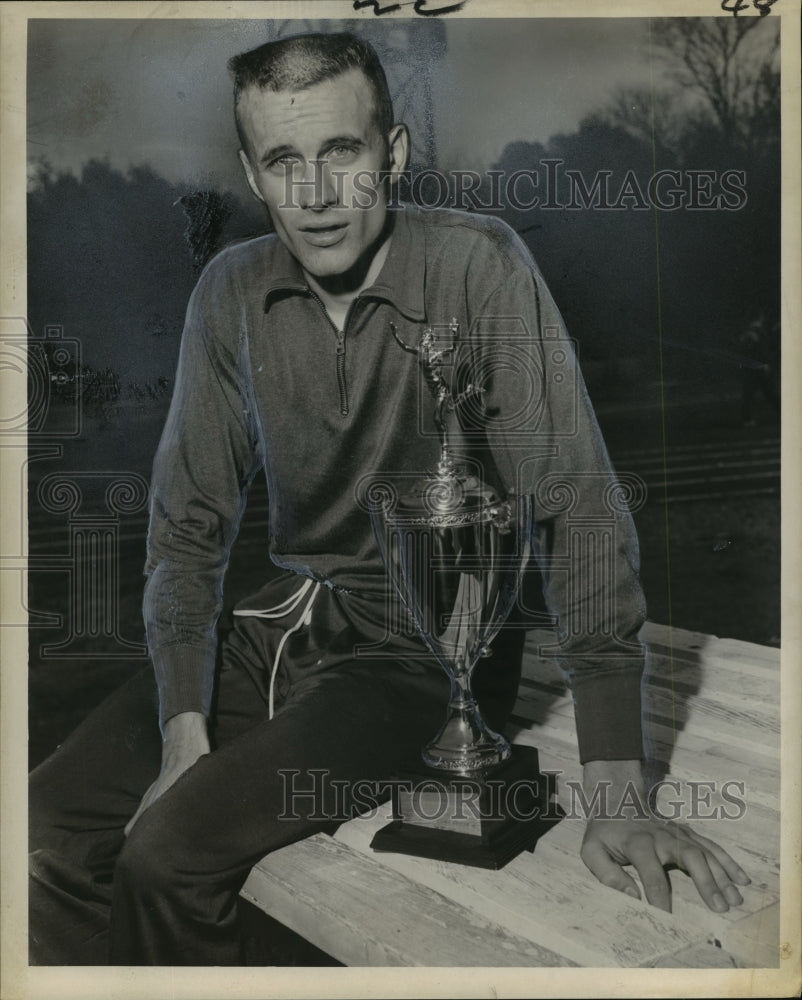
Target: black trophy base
484, 821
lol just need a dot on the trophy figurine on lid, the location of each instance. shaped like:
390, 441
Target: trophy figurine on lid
455, 552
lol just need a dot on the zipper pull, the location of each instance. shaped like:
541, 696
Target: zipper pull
341, 383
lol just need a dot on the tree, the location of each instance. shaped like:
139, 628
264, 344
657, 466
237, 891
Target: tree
724, 89
111, 257
715, 110
207, 212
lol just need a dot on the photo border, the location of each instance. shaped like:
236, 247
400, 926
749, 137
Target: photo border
21, 981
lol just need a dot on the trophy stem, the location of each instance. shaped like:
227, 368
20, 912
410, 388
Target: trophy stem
465, 744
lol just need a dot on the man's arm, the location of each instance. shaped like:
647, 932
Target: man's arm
209, 452
588, 554
545, 441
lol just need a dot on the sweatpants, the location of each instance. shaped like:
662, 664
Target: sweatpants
344, 717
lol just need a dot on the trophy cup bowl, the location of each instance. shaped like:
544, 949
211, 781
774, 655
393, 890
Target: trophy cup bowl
455, 553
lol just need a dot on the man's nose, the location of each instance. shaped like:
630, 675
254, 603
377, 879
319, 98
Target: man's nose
317, 187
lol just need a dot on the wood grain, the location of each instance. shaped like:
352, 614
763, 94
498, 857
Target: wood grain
365, 914
711, 714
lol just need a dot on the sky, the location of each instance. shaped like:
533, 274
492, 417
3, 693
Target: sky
157, 92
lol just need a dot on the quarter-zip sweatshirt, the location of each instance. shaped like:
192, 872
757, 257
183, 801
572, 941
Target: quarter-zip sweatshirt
266, 382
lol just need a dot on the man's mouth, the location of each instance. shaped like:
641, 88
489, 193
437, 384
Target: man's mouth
324, 235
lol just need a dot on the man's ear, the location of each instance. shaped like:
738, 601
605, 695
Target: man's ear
246, 166
398, 149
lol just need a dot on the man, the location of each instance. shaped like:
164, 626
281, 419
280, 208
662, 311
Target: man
145, 823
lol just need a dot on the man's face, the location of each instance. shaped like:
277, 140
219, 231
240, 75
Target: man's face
312, 158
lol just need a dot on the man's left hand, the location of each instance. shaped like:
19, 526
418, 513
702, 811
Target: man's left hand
650, 845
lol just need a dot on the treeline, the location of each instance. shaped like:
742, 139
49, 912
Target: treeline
656, 224
112, 259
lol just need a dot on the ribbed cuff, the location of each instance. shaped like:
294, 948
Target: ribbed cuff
185, 679
607, 708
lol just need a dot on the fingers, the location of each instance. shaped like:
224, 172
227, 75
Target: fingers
701, 863
143, 805
595, 856
130, 824
731, 894
167, 778
148, 799
693, 860
730, 866
643, 855
650, 846
649, 849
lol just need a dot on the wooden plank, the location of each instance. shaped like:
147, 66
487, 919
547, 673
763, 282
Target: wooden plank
542, 898
732, 740
741, 720
747, 656
691, 755
686, 680
697, 956
753, 839
558, 756
712, 710
750, 943
550, 897
679, 702
755, 940
702, 750
749, 725
677, 646
730, 753
362, 913
712, 678
700, 719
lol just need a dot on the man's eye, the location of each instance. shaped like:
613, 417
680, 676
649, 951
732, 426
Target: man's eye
281, 164
340, 152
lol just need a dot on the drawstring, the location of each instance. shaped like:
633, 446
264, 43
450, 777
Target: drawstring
279, 611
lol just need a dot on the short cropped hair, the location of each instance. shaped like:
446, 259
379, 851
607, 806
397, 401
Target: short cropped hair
301, 61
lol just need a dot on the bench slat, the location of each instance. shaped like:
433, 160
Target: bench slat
362, 913
550, 897
711, 714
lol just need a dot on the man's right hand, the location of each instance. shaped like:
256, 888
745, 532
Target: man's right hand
186, 739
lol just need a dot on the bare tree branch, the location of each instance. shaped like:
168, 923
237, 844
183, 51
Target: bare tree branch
727, 64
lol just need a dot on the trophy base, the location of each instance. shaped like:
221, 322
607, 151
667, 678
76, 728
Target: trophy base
484, 820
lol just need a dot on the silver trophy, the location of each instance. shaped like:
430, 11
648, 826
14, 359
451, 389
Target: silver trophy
455, 551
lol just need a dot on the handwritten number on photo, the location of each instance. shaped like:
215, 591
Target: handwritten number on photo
735, 7
377, 10
449, 9
421, 7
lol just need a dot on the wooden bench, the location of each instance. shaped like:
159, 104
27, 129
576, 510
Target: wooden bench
712, 718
